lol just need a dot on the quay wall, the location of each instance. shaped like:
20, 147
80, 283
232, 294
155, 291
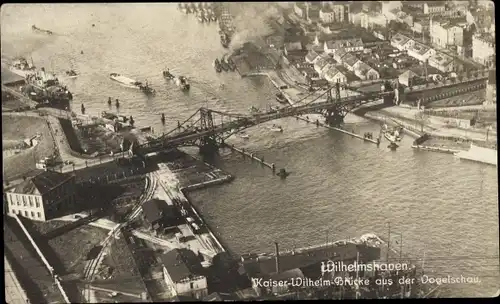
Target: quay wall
57, 280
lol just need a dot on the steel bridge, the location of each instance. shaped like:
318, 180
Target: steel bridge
208, 129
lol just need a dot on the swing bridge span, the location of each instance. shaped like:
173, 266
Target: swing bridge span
208, 127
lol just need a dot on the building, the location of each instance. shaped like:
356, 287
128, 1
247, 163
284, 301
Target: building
334, 75
442, 62
421, 26
339, 54
401, 42
365, 72
446, 33
159, 216
349, 45
311, 57
420, 51
406, 78
390, 6
312, 13
483, 49
433, 7
350, 62
43, 197
332, 13
184, 274
321, 62
300, 9
293, 43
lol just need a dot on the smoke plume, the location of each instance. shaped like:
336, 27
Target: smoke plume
251, 21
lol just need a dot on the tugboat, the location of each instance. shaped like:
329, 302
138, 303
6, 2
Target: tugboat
168, 75
71, 74
281, 98
217, 66
183, 83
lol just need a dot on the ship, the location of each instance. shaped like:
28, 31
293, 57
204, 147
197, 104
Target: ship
125, 81
39, 30
43, 86
21, 67
226, 27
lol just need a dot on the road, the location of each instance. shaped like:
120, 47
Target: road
14, 293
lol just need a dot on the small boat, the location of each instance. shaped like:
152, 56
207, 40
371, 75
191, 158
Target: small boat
36, 29
224, 65
276, 128
183, 83
71, 74
231, 63
217, 66
109, 116
168, 75
128, 82
146, 89
281, 98
254, 110
390, 136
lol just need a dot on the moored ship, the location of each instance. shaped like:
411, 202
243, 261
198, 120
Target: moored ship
21, 67
183, 83
44, 86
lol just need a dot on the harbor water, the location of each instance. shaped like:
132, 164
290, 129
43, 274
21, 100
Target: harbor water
339, 186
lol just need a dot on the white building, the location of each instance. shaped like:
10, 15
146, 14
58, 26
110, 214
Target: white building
401, 42
364, 72
349, 45
43, 197
183, 273
332, 74
442, 62
483, 49
333, 13
434, 7
446, 33
420, 51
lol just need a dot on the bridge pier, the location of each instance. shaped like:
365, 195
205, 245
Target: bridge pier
209, 147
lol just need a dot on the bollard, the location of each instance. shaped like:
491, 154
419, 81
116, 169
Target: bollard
317, 123
273, 167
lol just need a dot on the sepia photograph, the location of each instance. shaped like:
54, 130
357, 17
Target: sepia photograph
249, 151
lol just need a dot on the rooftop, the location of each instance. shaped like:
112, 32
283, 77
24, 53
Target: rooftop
400, 39
435, 3
42, 183
420, 48
350, 59
182, 264
345, 43
155, 210
10, 77
311, 55
441, 59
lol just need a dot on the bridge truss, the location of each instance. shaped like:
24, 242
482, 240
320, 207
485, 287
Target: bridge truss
208, 128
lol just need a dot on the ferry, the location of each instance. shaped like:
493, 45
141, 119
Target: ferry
281, 99
21, 67
42, 85
128, 82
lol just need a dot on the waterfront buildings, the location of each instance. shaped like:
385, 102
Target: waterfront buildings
483, 49
159, 216
184, 274
42, 197
433, 7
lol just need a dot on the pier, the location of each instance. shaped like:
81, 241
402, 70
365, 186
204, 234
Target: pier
317, 123
252, 156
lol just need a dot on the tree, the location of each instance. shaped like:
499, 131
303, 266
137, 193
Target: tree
422, 118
